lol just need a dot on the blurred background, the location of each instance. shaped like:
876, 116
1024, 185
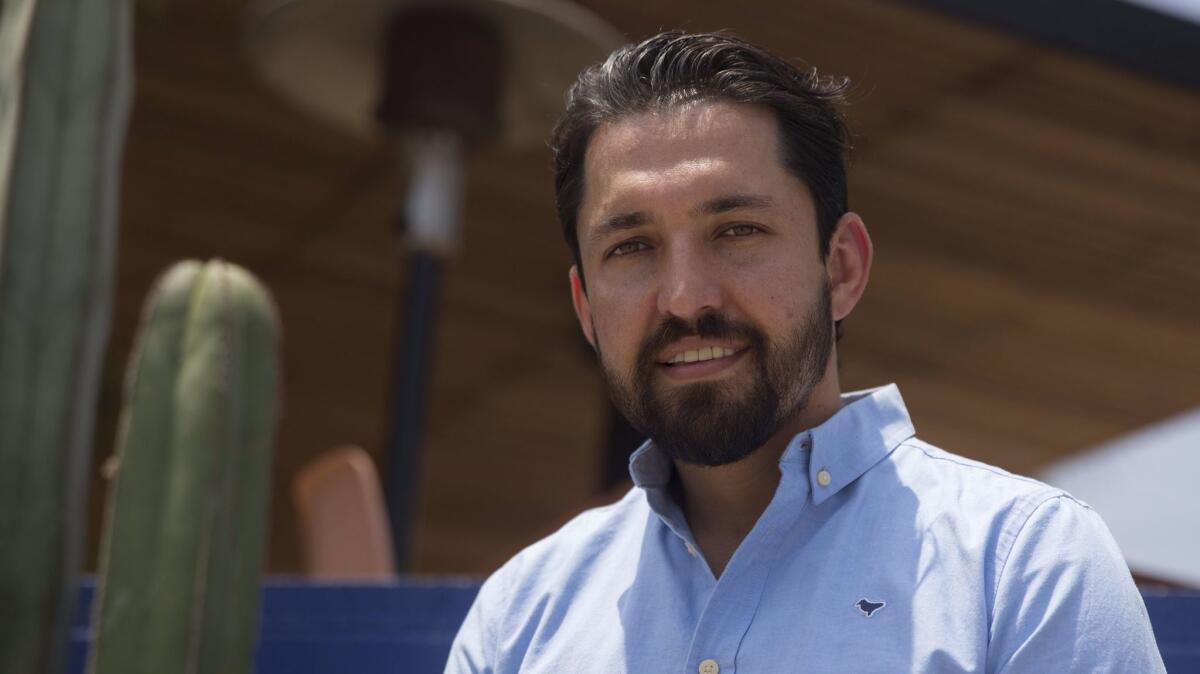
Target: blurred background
1031, 182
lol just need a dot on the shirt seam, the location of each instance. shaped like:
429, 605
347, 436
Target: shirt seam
510, 579
778, 532
1009, 545
967, 464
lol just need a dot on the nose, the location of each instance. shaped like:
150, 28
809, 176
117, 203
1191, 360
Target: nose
689, 284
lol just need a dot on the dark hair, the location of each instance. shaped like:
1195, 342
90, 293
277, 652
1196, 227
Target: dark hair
673, 68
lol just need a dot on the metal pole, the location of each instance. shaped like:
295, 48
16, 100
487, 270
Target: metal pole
431, 230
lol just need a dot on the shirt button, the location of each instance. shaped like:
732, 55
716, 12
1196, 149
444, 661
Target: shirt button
824, 478
709, 667
691, 549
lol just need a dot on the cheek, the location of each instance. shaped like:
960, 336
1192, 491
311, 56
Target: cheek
773, 291
621, 316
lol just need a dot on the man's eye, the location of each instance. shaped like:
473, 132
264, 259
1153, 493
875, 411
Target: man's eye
740, 230
627, 247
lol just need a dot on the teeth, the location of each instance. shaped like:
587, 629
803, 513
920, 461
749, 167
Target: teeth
700, 355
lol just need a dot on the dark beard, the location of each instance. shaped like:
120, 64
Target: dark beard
717, 423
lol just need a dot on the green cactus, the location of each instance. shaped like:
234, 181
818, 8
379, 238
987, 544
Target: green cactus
64, 97
182, 554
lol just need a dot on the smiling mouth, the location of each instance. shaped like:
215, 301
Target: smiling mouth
701, 355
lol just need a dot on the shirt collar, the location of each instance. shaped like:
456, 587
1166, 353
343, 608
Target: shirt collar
870, 424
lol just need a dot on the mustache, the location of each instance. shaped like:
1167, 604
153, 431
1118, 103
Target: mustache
709, 325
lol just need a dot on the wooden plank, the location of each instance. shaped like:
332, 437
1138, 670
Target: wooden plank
1033, 214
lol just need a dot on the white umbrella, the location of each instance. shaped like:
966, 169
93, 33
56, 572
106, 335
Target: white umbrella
1144, 485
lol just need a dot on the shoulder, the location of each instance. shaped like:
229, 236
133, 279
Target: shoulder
1043, 547
576, 551
537, 584
993, 511
1054, 576
918, 455
943, 479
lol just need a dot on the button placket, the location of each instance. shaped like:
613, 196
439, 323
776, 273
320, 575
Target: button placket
730, 609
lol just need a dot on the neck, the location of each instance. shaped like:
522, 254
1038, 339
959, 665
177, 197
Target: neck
722, 503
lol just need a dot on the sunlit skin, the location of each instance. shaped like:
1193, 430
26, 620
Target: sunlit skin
692, 210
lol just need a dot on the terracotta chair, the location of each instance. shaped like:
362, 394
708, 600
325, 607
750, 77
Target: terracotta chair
343, 517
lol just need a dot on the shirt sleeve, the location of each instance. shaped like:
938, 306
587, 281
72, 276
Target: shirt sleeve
1065, 600
474, 647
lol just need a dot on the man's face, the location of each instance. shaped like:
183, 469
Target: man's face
707, 300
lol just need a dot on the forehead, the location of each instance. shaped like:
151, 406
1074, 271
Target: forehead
697, 127
683, 154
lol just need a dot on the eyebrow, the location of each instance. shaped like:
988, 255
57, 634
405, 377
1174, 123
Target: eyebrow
733, 202
716, 206
619, 223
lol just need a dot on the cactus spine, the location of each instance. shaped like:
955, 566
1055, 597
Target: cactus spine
64, 98
182, 555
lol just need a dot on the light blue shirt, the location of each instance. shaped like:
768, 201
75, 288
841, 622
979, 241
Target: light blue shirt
878, 553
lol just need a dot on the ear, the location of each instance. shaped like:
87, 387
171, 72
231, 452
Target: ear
848, 264
583, 311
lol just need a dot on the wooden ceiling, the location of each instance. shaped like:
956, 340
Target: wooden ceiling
1035, 217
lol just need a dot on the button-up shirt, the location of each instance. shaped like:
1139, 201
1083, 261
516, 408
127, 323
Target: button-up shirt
878, 553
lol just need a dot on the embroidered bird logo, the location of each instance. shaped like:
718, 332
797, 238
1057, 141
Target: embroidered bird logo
869, 607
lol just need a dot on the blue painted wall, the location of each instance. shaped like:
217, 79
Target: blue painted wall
407, 627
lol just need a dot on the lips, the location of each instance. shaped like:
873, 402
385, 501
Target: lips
705, 346
700, 355
698, 350
692, 364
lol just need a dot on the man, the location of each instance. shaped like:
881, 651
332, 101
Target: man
776, 525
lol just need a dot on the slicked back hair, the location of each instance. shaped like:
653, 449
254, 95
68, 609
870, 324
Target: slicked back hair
675, 68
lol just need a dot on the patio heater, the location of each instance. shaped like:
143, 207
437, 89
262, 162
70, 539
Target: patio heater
436, 80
